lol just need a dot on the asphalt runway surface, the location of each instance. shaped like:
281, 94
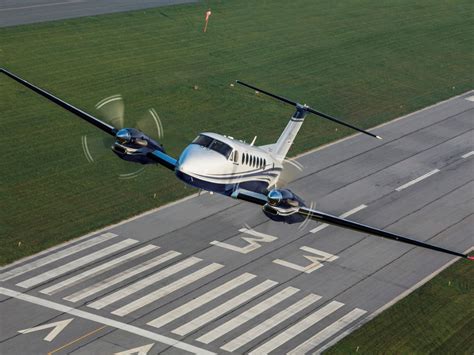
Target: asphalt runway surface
14, 12
209, 274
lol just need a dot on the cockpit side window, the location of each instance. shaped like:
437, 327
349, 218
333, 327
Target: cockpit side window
213, 144
202, 140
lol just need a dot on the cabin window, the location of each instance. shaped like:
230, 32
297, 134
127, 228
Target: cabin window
264, 162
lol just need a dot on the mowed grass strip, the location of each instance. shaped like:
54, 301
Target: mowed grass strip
437, 318
365, 61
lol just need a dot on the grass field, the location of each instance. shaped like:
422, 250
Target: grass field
437, 318
366, 61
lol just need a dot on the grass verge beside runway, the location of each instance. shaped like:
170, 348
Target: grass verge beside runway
366, 61
437, 318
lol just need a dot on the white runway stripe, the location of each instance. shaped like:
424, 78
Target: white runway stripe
247, 315
327, 332
76, 264
166, 290
414, 181
270, 323
122, 276
224, 308
141, 284
297, 328
56, 256
97, 270
344, 215
200, 301
467, 155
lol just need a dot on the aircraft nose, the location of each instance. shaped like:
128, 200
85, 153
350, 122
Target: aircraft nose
189, 159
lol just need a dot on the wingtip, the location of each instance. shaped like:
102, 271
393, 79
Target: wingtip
470, 257
378, 137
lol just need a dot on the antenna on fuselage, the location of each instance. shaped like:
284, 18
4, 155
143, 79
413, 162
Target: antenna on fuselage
307, 109
254, 139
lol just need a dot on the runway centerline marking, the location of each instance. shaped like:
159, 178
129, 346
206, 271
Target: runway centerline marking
344, 215
418, 179
42, 5
106, 321
467, 155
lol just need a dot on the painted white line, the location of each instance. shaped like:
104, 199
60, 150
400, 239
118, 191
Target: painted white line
297, 328
115, 279
76, 264
328, 332
106, 321
201, 300
344, 215
247, 315
224, 308
166, 290
418, 179
270, 323
467, 155
97, 270
141, 284
20, 270
470, 98
389, 304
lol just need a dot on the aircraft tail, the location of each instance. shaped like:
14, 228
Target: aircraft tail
284, 143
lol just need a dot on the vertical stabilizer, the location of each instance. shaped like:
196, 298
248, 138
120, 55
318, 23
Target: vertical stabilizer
283, 145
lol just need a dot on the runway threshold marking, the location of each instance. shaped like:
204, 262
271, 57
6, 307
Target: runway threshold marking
297, 328
98, 270
106, 321
418, 179
327, 332
247, 315
470, 98
270, 323
141, 284
122, 276
201, 300
20, 270
42, 5
344, 215
76, 264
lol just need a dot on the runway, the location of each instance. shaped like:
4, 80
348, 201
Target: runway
14, 12
212, 275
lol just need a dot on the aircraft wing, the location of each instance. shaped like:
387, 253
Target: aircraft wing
157, 155
84, 115
323, 217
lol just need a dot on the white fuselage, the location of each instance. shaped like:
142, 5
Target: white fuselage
218, 163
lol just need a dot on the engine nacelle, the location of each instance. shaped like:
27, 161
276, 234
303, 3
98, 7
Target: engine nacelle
133, 145
282, 206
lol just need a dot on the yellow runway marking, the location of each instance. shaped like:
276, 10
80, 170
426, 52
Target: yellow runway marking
76, 340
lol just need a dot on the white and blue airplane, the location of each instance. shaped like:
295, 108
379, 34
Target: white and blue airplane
222, 164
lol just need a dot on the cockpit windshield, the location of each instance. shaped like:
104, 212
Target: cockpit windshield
213, 144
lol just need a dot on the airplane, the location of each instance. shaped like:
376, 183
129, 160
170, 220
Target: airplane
234, 168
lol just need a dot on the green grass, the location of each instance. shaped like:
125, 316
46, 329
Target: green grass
367, 61
437, 318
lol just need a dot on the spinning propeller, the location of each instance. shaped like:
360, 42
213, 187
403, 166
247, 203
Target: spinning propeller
112, 110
